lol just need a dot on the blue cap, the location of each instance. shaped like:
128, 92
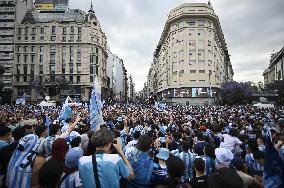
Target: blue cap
163, 154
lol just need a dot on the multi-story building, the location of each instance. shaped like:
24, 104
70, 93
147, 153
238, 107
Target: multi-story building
120, 86
275, 70
11, 12
191, 60
131, 88
67, 43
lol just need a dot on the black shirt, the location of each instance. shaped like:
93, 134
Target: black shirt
199, 182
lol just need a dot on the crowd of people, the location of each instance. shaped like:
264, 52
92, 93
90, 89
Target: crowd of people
140, 146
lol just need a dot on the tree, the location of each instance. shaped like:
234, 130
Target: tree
53, 86
236, 93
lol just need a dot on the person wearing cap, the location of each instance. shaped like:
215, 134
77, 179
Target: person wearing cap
160, 168
70, 177
224, 176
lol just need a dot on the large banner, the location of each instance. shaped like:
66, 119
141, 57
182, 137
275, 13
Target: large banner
51, 5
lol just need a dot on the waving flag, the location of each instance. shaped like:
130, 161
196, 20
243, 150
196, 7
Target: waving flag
96, 117
66, 110
273, 167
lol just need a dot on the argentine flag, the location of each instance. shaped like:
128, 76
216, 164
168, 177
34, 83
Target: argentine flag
66, 110
96, 117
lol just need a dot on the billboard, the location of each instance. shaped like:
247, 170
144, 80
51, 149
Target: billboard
189, 93
51, 5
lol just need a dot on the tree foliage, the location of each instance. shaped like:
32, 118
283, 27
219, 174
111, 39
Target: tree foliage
236, 93
54, 86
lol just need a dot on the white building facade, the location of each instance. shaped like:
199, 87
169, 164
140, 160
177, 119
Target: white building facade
191, 60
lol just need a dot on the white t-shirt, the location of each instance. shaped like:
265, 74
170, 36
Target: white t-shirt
230, 142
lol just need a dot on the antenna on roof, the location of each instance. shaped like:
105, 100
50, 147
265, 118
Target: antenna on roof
209, 3
92, 7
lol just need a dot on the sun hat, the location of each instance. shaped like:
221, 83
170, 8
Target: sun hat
163, 154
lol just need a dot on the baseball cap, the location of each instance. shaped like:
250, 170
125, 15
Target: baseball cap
72, 157
163, 154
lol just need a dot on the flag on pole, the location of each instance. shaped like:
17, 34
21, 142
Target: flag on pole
66, 110
273, 167
96, 117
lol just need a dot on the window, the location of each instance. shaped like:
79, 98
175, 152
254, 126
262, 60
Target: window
191, 22
52, 48
25, 79
71, 54
192, 81
18, 78
52, 58
79, 30
202, 71
26, 49
181, 61
71, 39
175, 73
52, 69
18, 48
41, 49
63, 69
201, 81
26, 31
78, 79
201, 22
91, 70
52, 38
42, 30
78, 68
18, 69
53, 29
79, 39
33, 38
25, 58
64, 31
18, 58
79, 54
33, 31
192, 71
40, 69
25, 69
192, 43
91, 79
19, 38
26, 38
72, 29
71, 79
63, 54
63, 39
19, 31
94, 59
32, 69
33, 59
42, 38
70, 68
33, 48
41, 59
181, 72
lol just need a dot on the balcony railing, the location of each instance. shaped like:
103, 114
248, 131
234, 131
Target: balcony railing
7, 33
6, 25
6, 56
7, 9
7, 17
6, 48
6, 40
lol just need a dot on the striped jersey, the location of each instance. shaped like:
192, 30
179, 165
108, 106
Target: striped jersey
188, 159
72, 181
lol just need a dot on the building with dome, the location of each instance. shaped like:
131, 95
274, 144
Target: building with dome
191, 60
51, 44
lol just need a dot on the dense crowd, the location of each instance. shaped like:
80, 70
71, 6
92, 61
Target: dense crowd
140, 146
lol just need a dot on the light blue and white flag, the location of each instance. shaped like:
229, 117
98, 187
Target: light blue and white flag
66, 110
96, 117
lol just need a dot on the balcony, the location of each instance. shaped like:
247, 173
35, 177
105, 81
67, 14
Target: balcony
6, 56
12, 2
7, 64
6, 40
6, 48
6, 25
7, 33
7, 9
7, 17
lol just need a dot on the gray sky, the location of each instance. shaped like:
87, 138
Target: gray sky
252, 29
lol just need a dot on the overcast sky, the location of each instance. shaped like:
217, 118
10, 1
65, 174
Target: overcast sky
252, 29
